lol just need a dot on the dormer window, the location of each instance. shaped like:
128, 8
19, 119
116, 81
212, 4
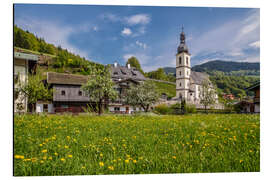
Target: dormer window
63, 93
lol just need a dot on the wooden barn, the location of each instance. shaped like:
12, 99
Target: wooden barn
67, 94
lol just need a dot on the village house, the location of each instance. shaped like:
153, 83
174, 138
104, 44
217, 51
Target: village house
124, 77
24, 64
67, 94
69, 97
256, 99
188, 82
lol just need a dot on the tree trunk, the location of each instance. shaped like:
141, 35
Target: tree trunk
100, 107
32, 108
205, 109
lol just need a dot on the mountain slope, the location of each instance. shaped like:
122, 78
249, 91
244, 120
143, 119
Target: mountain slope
226, 66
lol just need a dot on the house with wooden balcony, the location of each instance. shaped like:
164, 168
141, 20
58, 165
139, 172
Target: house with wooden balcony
24, 63
256, 99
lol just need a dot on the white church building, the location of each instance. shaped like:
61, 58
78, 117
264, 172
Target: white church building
188, 82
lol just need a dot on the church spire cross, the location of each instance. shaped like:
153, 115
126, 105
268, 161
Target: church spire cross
182, 47
182, 36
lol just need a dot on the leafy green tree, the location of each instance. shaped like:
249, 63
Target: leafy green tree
158, 74
207, 94
34, 89
134, 62
99, 86
143, 95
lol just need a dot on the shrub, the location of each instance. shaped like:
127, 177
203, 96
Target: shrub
176, 108
191, 108
162, 109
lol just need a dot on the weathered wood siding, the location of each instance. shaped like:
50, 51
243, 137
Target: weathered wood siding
71, 93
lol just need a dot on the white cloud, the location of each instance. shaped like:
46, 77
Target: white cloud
127, 56
140, 44
255, 44
53, 32
142, 57
138, 19
231, 38
126, 32
95, 28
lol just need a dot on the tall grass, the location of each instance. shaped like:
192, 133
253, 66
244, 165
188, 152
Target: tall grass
117, 144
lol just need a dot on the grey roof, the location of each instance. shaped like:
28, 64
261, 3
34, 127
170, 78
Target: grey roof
68, 79
122, 72
25, 56
198, 77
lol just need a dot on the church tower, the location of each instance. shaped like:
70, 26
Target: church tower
183, 69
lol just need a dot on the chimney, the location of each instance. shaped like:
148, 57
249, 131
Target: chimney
115, 64
128, 66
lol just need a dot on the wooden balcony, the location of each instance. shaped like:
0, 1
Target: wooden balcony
256, 100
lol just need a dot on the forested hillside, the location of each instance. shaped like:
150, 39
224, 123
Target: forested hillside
61, 60
229, 67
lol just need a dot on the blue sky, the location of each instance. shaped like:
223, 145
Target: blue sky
106, 34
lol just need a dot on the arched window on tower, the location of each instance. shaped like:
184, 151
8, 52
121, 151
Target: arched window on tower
187, 60
180, 84
180, 73
180, 60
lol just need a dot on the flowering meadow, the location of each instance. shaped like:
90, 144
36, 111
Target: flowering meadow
47, 145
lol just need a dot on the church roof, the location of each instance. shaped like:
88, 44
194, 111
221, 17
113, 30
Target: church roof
198, 77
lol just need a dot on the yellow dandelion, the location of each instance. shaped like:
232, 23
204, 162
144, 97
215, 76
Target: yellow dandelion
44, 151
83, 167
19, 157
68, 137
50, 158
111, 168
119, 159
234, 138
101, 164
44, 157
53, 138
134, 161
114, 160
66, 147
241, 160
62, 159
127, 161
174, 157
27, 160
140, 158
40, 145
41, 161
56, 153
101, 155
70, 156
250, 151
